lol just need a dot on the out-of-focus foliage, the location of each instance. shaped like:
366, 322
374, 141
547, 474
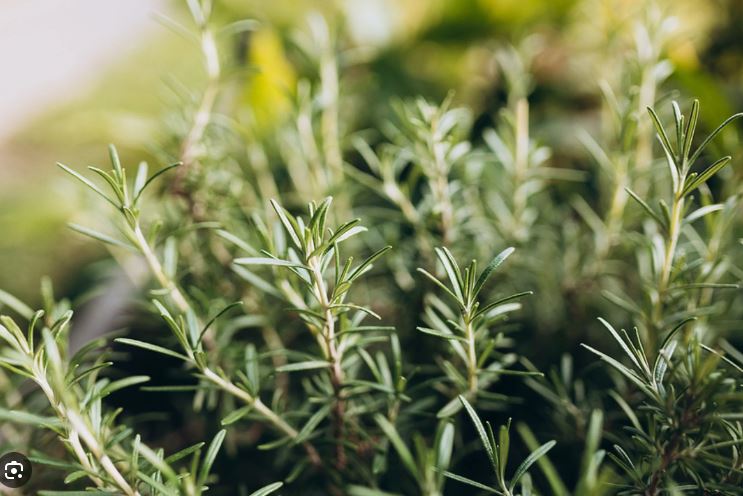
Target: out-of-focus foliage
386, 222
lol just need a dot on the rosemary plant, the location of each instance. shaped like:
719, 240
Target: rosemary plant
469, 333
105, 452
300, 311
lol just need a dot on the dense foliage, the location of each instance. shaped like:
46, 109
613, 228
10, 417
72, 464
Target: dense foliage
336, 301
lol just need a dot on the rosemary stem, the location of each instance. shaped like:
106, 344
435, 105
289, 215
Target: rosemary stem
471, 356
674, 230
335, 356
157, 270
78, 429
226, 385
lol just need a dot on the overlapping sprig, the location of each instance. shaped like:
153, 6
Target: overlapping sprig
104, 450
468, 328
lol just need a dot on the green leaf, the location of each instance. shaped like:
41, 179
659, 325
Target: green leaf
621, 302
155, 176
673, 170
77, 493
16, 305
98, 236
238, 27
449, 409
252, 368
210, 456
402, 450
32, 327
76, 475
177, 388
690, 129
157, 462
243, 245
255, 280
548, 469
140, 180
52, 350
619, 367
366, 264
267, 261
444, 446
593, 439
20, 417
485, 309
722, 357
440, 334
647, 208
290, 224
317, 220
113, 182
351, 306
704, 176
271, 488
307, 365
588, 214
311, 424
470, 482
236, 415
156, 484
82, 375
123, 383
665, 212
452, 271
484, 439
702, 211
350, 233
52, 462
662, 361
675, 329
87, 182
368, 491
439, 283
214, 319
529, 461
712, 136
625, 458
503, 446
21, 372
494, 264
662, 136
282, 441
134, 457
179, 455
115, 161
678, 119
626, 347
151, 347
177, 330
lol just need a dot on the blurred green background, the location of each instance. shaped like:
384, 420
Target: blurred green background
79, 77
